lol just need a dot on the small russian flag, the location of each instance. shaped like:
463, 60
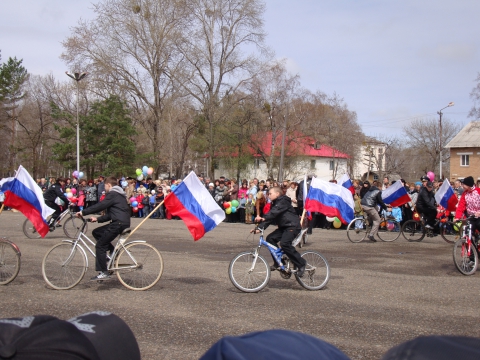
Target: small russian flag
347, 183
446, 197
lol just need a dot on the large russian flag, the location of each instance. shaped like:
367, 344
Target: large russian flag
395, 195
347, 183
22, 193
330, 199
192, 202
446, 197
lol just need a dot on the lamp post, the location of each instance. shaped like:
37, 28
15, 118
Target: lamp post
440, 130
77, 77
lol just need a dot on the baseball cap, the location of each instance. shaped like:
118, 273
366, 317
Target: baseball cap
98, 335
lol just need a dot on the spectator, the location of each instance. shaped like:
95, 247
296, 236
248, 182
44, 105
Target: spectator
90, 194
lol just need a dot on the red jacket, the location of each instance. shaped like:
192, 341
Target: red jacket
462, 205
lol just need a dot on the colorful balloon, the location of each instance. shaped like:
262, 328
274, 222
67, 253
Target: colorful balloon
228, 210
132, 199
431, 175
140, 177
226, 205
337, 223
150, 171
80, 175
135, 203
234, 209
144, 169
74, 191
67, 190
135, 209
75, 174
235, 203
69, 195
138, 172
390, 225
330, 219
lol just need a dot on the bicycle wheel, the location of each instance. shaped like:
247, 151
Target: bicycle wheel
466, 263
450, 231
64, 265
413, 230
145, 266
356, 235
73, 225
246, 279
389, 230
317, 272
9, 262
29, 230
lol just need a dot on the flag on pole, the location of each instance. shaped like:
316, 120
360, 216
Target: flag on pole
347, 183
446, 197
22, 193
395, 195
331, 200
192, 202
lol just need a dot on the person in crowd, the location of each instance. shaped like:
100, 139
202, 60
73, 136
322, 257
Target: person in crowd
365, 188
469, 203
139, 198
386, 182
43, 184
68, 184
100, 185
90, 194
51, 181
220, 192
81, 194
146, 203
252, 189
371, 199
249, 209
260, 203
211, 189
426, 204
458, 188
358, 211
292, 194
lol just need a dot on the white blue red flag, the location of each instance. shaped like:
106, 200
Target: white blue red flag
446, 197
192, 202
395, 195
22, 193
331, 200
347, 183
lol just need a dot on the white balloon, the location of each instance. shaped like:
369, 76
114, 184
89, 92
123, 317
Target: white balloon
330, 218
140, 177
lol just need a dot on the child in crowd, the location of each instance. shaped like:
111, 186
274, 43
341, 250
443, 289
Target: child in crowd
249, 209
358, 211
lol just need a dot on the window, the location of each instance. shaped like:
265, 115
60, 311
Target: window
313, 164
464, 160
257, 163
375, 177
331, 165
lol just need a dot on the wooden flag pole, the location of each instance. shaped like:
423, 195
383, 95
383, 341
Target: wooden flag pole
151, 212
303, 216
1, 209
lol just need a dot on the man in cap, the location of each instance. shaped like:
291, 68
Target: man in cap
426, 204
469, 203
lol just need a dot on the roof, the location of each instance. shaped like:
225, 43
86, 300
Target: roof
469, 136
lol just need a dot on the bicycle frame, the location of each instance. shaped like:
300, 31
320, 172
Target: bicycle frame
276, 252
467, 234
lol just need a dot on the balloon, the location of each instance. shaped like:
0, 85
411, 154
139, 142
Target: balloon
150, 171
75, 174
80, 175
234, 209
226, 205
73, 200
124, 184
431, 175
132, 199
67, 190
69, 195
138, 172
330, 219
140, 177
74, 191
135, 203
390, 225
135, 209
65, 194
228, 210
235, 203
144, 169
337, 223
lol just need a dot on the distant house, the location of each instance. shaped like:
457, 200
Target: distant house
371, 165
302, 156
465, 152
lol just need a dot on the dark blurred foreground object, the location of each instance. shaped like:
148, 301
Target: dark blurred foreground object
97, 335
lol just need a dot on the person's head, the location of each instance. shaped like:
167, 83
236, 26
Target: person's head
83, 182
429, 185
43, 180
67, 181
233, 182
255, 181
366, 184
211, 185
293, 184
244, 184
424, 179
457, 183
221, 183
217, 182
468, 183
74, 181
355, 196
90, 182
110, 182
250, 197
386, 180
274, 192
62, 181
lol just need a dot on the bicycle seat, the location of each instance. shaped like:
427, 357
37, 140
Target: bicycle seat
126, 231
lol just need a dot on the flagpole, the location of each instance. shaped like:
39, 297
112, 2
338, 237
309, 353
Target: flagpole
151, 213
303, 215
1, 209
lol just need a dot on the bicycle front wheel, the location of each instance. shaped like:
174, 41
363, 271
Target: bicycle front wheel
413, 230
64, 265
356, 234
139, 266
450, 231
9, 262
317, 271
72, 226
389, 230
247, 276
466, 261
29, 230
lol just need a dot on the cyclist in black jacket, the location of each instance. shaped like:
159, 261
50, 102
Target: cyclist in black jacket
118, 213
54, 191
282, 213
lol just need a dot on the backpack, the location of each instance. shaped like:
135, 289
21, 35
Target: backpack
145, 200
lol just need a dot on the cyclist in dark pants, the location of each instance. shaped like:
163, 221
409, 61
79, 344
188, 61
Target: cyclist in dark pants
284, 215
54, 191
118, 213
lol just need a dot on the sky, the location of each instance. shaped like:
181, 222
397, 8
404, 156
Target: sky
392, 61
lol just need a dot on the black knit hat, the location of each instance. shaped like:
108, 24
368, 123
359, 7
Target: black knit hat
469, 181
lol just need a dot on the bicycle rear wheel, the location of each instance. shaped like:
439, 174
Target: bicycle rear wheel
356, 235
142, 266
466, 263
389, 230
246, 279
64, 265
29, 230
413, 230
9, 262
317, 272
450, 231
73, 225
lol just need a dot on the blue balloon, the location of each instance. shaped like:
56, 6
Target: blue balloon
234, 209
65, 194
135, 204
145, 169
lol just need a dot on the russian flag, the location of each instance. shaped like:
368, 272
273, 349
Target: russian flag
22, 193
347, 183
192, 202
395, 195
330, 199
446, 197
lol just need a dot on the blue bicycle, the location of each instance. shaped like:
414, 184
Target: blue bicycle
250, 272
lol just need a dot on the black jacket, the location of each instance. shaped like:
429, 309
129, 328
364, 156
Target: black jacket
283, 213
53, 192
116, 206
373, 197
425, 200
299, 192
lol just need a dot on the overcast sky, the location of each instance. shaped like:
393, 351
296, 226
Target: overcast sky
391, 60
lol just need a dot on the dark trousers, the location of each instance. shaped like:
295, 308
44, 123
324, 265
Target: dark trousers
286, 236
429, 216
55, 207
104, 236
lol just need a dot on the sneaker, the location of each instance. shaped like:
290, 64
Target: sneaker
428, 227
301, 271
371, 238
101, 276
51, 228
274, 267
59, 225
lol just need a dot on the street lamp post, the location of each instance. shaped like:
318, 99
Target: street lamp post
77, 77
440, 130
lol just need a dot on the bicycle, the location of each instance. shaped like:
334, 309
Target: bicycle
358, 228
415, 230
137, 264
9, 261
70, 227
465, 250
250, 272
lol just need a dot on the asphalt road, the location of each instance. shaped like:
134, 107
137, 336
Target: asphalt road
379, 294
